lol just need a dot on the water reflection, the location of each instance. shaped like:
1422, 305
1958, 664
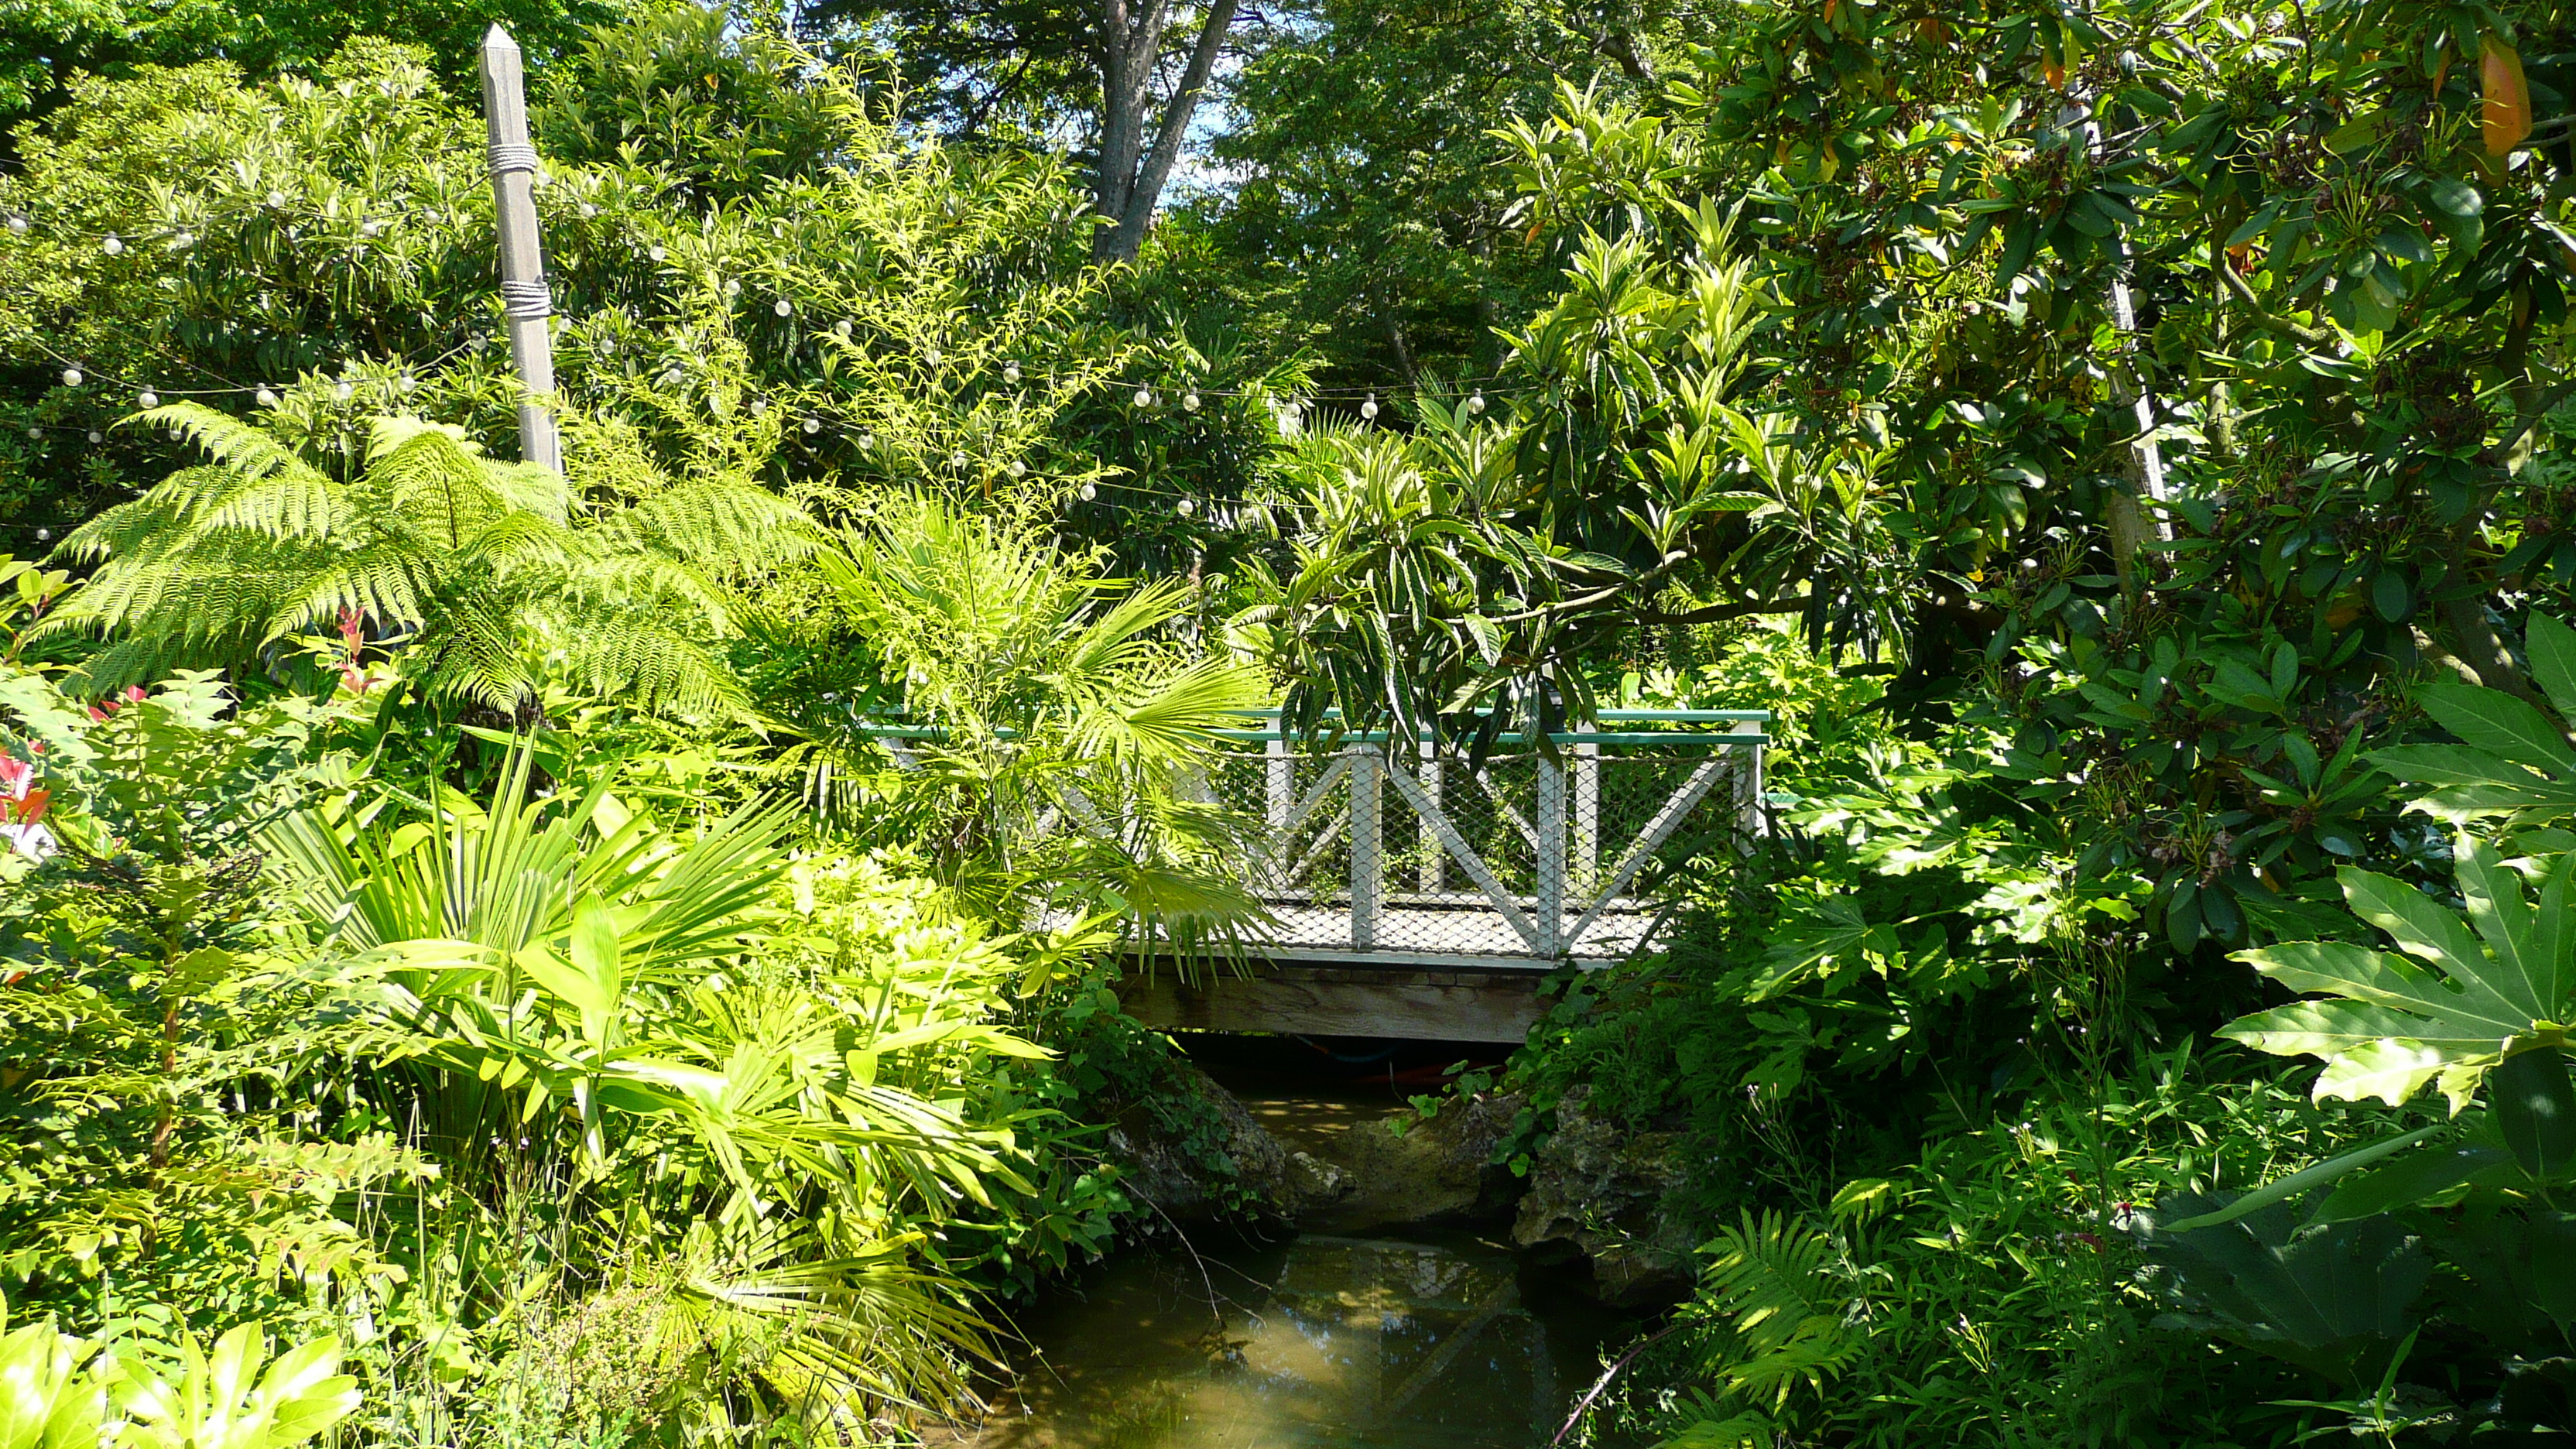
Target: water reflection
1318, 1343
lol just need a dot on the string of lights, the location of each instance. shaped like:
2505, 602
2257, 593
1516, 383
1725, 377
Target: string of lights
1147, 393
1289, 406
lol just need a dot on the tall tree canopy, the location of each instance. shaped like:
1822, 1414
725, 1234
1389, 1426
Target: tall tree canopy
1119, 82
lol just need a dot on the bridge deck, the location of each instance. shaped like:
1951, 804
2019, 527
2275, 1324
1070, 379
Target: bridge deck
1429, 935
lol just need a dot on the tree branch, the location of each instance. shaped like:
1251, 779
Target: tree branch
2245, 294
1147, 188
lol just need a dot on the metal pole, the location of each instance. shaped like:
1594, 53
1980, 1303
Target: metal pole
524, 298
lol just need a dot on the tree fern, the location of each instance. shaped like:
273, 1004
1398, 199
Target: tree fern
485, 578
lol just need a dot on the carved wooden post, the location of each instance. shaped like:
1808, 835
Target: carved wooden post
524, 298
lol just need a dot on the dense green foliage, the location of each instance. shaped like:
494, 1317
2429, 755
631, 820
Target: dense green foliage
2123, 444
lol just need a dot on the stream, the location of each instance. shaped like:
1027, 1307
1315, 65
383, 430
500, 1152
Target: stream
1334, 1337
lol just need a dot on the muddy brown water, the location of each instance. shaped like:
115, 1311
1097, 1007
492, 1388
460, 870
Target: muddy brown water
1430, 1340
1380, 1338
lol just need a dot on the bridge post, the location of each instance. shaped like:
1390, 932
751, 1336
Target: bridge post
1367, 767
1587, 819
1279, 792
1551, 857
1748, 786
1435, 860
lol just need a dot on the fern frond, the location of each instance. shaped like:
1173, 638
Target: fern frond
1774, 1282
238, 446
717, 522
390, 584
652, 667
476, 657
431, 477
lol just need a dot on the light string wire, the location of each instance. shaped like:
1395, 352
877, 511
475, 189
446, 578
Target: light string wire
1151, 396
1490, 384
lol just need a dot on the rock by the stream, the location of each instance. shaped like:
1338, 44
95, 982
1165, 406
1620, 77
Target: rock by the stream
1210, 1159
1440, 1170
1598, 1190
1594, 1190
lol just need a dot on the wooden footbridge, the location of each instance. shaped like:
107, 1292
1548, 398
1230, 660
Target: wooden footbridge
1415, 896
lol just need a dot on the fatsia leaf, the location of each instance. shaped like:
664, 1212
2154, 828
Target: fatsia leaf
2389, 1026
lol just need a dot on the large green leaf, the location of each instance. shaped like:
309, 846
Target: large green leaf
2513, 757
2474, 991
2334, 1297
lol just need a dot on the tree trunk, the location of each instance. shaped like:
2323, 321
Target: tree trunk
1131, 177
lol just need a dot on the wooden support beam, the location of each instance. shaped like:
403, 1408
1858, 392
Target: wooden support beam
1477, 1006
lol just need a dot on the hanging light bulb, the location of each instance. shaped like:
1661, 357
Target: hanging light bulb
71, 377
266, 398
1368, 410
149, 399
276, 199
867, 442
96, 436
733, 286
1089, 493
1144, 397
35, 432
813, 426
655, 252
1190, 400
112, 246
1019, 469
1011, 373
783, 307
1186, 508
1476, 403
44, 535
841, 329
